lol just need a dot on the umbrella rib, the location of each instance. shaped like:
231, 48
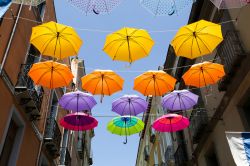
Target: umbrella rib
107, 86
142, 37
106, 6
192, 74
129, 51
85, 102
208, 68
114, 81
118, 50
139, 45
47, 27
184, 43
41, 36
42, 76
204, 44
68, 102
61, 76
133, 108
124, 109
147, 86
186, 34
69, 43
187, 97
174, 101
200, 33
48, 45
198, 45
116, 40
139, 104
210, 76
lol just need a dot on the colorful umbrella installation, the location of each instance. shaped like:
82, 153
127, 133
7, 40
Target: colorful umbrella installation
95, 6
165, 7
50, 74
102, 82
56, 40
125, 125
129, 105
229, 4
179, 100
155, 83
194, 40
77, 101
170, 123
128, 44
78, 122
203, 74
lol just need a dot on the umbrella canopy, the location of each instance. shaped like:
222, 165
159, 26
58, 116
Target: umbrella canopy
203, 74
95, 6
179, 100
77, 101
129, 105
165, 7
154, 83
170, 123
128, 44
194, 40
229, 4
125, 125
78, 122
4, 2
50, 74
56, 40
102, 82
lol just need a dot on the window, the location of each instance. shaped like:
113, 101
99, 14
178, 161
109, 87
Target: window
41, 10
54, 106
13, 135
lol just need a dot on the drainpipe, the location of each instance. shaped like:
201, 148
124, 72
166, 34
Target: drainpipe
11, 39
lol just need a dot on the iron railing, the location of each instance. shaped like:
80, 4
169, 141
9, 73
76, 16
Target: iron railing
52, 137
26, 85
146, 152
179, 155
231, 54
198, 122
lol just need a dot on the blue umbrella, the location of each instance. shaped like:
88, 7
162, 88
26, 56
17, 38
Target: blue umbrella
165, 7
4, 2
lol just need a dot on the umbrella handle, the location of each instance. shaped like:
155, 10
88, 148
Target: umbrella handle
126, 140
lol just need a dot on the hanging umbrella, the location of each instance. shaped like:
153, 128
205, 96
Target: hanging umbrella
203, 74
56, 40
102, 82
179, 100
77, 101
165, 7
229, 4
95, 6
4, 2
194, 40
170, 123
154, 83
78, 122
128, 44
125, 125
50, 74
129, 105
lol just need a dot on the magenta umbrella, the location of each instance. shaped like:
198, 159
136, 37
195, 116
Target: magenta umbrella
78, 122
170, 123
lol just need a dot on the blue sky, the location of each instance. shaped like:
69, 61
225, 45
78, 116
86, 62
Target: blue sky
108, 149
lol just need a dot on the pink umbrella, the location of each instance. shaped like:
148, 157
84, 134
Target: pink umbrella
78, 121
170, 123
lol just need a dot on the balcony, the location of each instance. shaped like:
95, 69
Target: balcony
28, 95
198, 122
179, 156
30, 2
67, 158
231, 54
152, 138
52, 138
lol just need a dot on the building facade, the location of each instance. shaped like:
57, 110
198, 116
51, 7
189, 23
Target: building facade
29, 130
221, 107
155, 149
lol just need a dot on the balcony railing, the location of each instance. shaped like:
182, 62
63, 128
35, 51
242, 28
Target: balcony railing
80, 146
29, 2
67, 158
198, 122
179, 156
52, 137
28, 95
231, 54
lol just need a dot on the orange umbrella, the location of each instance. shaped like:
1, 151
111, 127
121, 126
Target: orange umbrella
50, 74
102, 82
154, 83
203, 74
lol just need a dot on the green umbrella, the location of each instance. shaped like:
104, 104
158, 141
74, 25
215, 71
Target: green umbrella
125, 125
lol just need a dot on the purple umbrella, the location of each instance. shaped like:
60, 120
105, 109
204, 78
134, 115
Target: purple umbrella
77, 101
179, 100
129, 105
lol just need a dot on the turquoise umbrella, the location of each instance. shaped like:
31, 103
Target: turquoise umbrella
125, 126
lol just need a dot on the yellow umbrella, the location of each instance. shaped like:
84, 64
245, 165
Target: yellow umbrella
102, 82
56, 40
197, 39
128, 44
50, 74
203, 74
155, 83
